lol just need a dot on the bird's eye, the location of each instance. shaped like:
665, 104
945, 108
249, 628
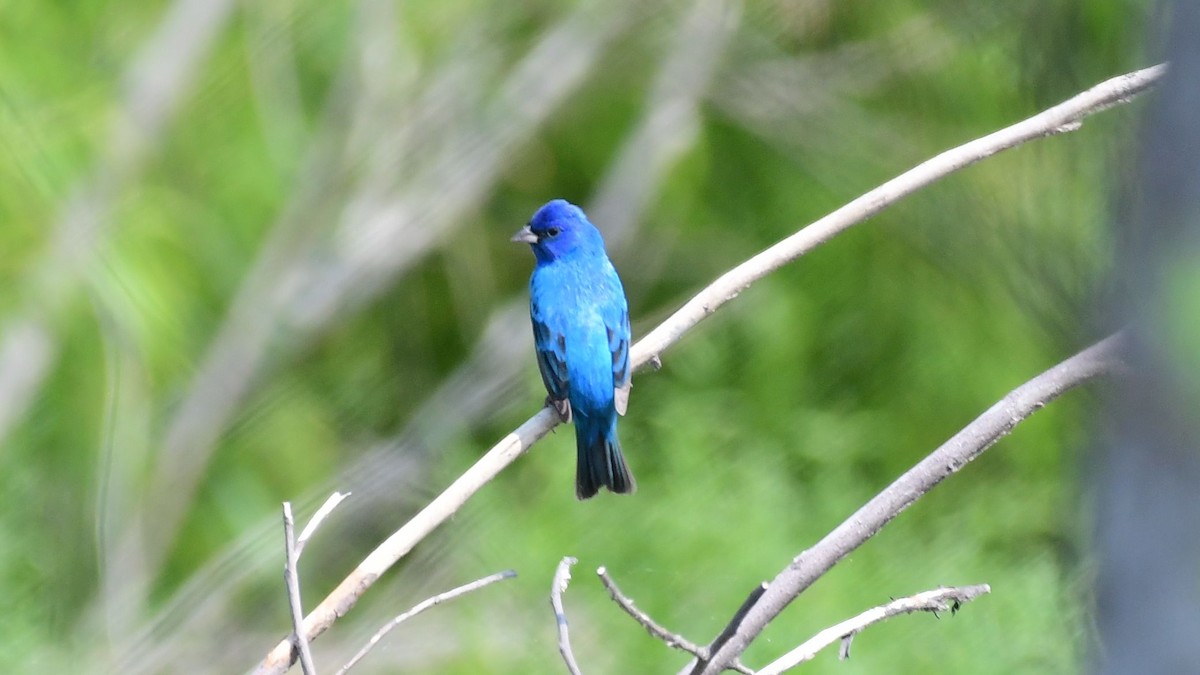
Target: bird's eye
552, 232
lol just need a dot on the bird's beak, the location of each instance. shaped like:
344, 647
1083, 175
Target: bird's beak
524, 236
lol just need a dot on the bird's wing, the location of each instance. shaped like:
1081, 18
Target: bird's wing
551, 346
618, 343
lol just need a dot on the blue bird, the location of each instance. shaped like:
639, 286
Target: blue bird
581, 335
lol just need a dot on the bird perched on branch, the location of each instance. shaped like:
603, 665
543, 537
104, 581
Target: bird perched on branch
581, 335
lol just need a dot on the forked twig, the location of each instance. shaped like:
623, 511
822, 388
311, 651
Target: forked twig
937, 600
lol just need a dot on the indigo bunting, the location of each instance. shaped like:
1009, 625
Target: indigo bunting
581, 335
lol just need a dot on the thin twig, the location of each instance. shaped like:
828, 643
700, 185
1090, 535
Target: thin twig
953, 455
672, 640
347, 594
562, 577
319, 517
626, 603
938, 600
648, 350
292, 580
421, 607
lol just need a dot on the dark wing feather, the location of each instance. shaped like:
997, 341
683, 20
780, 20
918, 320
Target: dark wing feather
551, 349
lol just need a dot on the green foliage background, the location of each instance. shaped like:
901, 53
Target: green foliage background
389, 359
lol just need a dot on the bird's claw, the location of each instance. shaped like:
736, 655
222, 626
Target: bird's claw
563, 408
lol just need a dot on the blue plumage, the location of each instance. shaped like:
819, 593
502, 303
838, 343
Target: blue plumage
581, 335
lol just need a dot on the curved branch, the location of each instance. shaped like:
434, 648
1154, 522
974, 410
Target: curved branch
421, 607
1062, 118
1059, 119
954, 454
937, 600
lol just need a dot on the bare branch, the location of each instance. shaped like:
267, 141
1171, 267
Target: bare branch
953, 455
421, 607
562, 577
319, 517
938, 600
346, 595
626, 603
672, 640
292, 580
1059, 119
647, 351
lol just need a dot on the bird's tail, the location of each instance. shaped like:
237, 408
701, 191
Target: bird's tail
599, 462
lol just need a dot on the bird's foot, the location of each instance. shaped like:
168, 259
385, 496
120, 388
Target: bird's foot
563, 408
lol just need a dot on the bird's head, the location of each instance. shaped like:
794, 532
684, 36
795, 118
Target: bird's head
558, 229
